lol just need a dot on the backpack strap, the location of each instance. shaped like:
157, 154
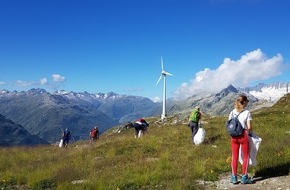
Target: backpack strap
238, 113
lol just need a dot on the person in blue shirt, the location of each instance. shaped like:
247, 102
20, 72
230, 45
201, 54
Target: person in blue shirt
66, 136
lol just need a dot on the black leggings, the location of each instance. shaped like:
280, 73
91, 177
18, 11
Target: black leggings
194, 128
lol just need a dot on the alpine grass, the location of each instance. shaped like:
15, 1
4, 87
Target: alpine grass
164, 158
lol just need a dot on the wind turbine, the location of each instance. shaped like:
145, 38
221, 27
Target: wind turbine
163, 74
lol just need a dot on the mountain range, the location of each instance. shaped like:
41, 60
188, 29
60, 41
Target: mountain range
45, 115
221, 103
12, 134
269, 92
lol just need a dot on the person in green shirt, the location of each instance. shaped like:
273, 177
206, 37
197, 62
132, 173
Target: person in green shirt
194, 119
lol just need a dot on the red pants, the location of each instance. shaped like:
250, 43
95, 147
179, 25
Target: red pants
236, 142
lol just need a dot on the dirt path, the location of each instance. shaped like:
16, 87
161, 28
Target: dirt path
274, 183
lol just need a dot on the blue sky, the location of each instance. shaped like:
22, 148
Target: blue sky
116, 45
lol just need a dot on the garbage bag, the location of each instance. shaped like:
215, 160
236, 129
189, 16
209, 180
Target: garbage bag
254, 143
61, 143
199, 136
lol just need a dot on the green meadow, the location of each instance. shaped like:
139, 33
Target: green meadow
164, 158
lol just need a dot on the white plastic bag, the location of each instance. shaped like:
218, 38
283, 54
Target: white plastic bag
254, 143
199, 136
61, 143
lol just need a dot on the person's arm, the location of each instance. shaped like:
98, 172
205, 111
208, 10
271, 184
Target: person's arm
147, 124
249, 123
249, 126
199, 115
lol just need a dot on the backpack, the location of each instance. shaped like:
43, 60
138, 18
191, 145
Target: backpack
234, 126
142, 122
194, 116
94, 133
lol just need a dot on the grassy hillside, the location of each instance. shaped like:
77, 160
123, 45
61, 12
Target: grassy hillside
163, 159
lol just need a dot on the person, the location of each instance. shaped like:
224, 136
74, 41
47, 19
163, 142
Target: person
194, 119
140, 127
66, 136
245, 119
94, 134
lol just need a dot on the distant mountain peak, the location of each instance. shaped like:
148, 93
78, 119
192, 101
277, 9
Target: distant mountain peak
231, 88
37, 90
226, 91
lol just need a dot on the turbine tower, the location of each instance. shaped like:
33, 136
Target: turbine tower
163, 74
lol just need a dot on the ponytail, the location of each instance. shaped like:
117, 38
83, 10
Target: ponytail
240, 103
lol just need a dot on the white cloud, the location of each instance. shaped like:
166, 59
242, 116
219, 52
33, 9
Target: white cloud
58, 78
57, 82
23, 83
250, 67
43, 81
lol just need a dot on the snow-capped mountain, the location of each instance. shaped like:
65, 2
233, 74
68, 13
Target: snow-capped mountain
269, 92
88, 96
221, 103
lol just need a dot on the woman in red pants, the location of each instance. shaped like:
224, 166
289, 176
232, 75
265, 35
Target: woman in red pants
245, 118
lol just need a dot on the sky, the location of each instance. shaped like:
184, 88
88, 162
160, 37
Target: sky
102, 46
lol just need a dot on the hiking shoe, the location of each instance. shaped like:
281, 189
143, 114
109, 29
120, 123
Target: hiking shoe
234, 179
246, 180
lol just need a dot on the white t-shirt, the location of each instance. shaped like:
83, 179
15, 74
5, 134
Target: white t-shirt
243, 117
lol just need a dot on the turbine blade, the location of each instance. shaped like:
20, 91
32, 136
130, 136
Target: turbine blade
166, 73
158, 80
162, 64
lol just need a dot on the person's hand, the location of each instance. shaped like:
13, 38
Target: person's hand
250, 132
